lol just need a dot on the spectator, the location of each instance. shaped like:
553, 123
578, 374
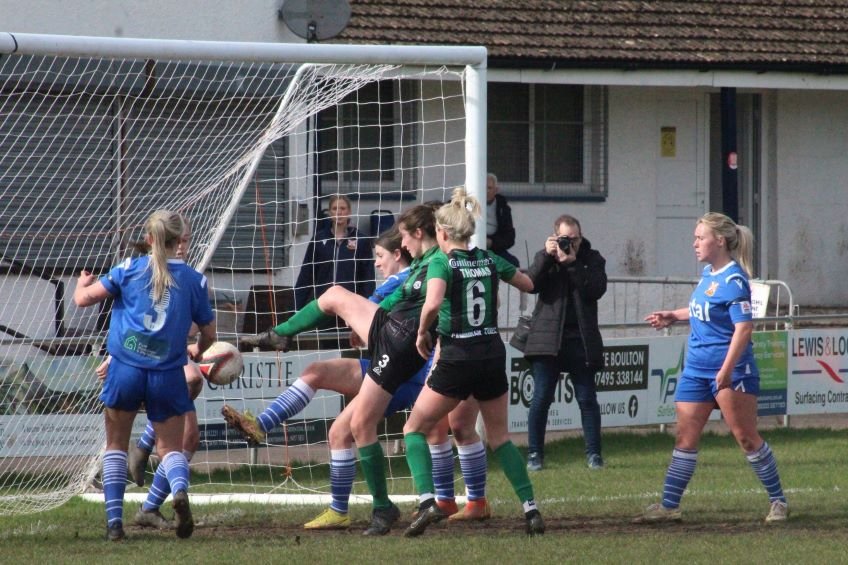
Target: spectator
500, 234
570, 278
337, 255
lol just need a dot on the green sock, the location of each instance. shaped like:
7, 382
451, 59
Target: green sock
372, 460
420, 462
513, 467
307, 318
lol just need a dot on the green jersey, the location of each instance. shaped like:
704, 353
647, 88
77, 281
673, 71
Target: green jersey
468, 316
406, 301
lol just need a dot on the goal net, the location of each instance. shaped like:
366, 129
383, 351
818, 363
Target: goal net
248, 141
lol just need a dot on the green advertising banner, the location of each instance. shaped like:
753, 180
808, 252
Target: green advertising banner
771, 353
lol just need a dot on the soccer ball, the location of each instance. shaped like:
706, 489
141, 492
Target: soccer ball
222, 363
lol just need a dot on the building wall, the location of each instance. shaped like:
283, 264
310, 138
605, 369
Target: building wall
805, 137
805, 188
624, 227
811, 233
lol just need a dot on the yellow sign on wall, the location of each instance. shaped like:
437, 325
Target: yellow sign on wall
668, 141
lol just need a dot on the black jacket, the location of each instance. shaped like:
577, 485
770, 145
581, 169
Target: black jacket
504, 238
584, 282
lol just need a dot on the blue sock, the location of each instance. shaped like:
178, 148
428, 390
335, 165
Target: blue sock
148, 438
765, 466
176, 469
342, 474
114, 485
442, 456
290, 402
680, 471
159, 490
472, 462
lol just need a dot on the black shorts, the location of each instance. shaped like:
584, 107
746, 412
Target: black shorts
484, 379
394, 357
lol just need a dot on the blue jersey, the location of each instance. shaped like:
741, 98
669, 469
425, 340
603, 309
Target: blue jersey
389, 286
154, 335
721, 299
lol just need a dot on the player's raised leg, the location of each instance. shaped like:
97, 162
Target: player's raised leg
340, 375
356, 311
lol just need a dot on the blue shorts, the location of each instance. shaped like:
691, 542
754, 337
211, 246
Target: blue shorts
164, 393
703, 389
407, 393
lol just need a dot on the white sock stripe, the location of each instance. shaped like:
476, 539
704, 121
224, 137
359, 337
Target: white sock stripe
171, 458
441, 448
471, 448
307, 392
684, 454
343, 455
762, 453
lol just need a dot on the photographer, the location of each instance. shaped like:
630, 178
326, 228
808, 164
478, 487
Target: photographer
564, 335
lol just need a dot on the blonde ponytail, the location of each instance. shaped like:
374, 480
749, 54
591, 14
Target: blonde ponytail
165, 229
738, 238
458, 217
744, 252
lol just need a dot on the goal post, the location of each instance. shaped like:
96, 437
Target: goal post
247, 140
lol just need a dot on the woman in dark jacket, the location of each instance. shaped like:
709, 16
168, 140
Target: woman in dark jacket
336, 255
570, 278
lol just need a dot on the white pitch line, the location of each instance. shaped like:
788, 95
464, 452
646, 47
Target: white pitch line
325, 499
689, 493
252, 498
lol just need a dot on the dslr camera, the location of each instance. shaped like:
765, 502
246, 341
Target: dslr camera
564, 243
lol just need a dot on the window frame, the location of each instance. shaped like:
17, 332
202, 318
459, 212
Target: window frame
405, 151
595, 150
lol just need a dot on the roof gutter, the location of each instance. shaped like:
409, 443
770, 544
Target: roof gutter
550, 71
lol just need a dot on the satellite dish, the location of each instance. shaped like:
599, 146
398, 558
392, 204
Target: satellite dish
315, 20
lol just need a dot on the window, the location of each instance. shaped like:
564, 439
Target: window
364, 142
547, 140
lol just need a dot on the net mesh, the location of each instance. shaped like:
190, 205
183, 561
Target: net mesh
248, 152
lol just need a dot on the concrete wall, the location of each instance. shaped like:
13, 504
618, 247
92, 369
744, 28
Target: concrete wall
811, 233
805, 191
805, 137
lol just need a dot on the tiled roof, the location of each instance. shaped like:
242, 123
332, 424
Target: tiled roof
807, 35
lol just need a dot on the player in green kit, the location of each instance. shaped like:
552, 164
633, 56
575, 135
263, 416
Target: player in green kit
462, 289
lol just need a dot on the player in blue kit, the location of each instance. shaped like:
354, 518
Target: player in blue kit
156, 299
720, 371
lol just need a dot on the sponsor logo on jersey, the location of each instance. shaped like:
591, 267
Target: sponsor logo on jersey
131, 343
746, 307
713, 288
